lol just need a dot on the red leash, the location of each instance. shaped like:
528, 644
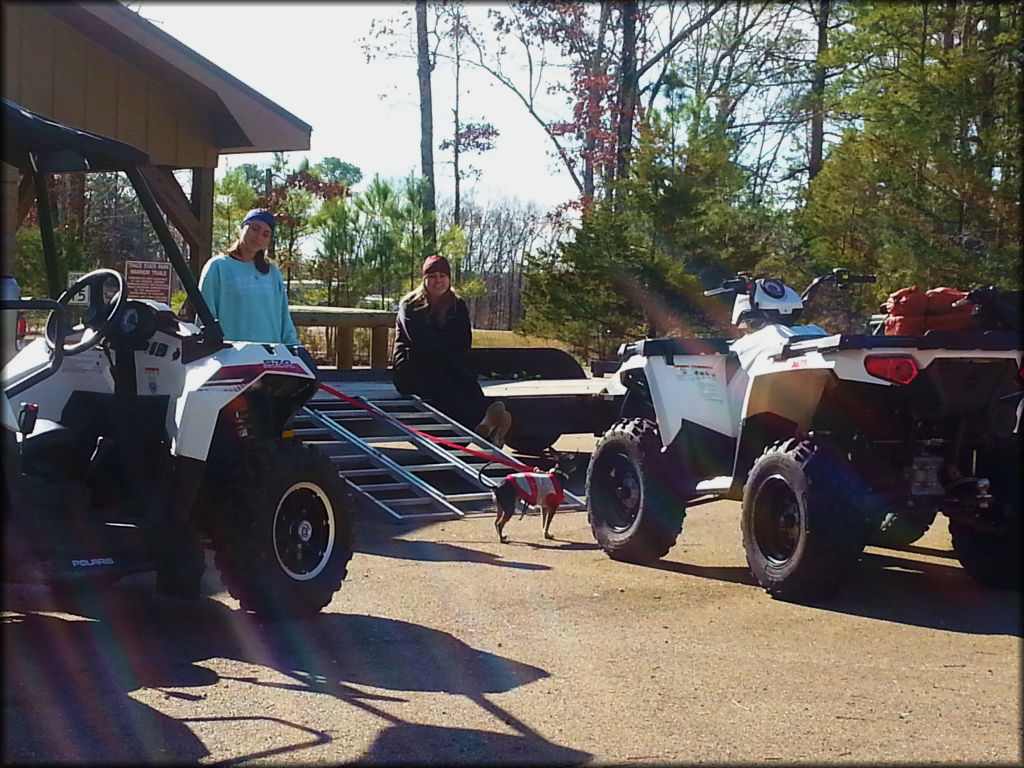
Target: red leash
433, 438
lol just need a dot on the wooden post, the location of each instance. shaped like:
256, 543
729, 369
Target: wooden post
379, 347
202, 209
344, 320
344, 348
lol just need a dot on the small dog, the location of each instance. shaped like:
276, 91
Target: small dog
542, 490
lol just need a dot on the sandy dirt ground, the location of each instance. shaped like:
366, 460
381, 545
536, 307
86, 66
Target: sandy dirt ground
445, 646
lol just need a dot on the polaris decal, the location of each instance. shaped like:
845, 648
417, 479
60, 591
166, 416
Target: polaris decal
93, 562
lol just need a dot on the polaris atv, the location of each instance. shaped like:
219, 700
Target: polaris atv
826, 439
134, 438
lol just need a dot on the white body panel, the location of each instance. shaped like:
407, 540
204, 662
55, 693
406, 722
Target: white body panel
88, 371
694, 387
785, 304
196, 391
697, 388
213, 382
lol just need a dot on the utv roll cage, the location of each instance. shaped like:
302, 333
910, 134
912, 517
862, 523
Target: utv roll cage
39, 146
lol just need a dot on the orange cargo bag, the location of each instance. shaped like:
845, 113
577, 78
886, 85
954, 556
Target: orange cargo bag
906, 301
940, 301
904, 325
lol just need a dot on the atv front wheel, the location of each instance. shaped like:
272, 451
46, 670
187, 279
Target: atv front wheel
286, 540
633, 513
801, 523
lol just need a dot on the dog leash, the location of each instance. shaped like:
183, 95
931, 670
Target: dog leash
433, 438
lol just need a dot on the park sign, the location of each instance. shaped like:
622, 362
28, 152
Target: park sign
82, 297
148, 280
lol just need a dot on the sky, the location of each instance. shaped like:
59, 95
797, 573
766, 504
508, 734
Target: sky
308, 58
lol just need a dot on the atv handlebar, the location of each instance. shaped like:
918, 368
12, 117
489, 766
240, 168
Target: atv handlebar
738, 284
744, 283
841, 276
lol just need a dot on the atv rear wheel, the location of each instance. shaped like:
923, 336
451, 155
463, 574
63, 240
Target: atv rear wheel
991, 556
801, 524
633, 513
286, 539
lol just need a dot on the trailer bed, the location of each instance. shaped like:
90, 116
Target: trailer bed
542, 409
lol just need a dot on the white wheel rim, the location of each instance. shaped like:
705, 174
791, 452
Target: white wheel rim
294, 532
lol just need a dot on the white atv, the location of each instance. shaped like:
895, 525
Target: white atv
134, 438
825, 439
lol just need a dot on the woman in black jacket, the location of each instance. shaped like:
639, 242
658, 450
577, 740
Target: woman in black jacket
432, 338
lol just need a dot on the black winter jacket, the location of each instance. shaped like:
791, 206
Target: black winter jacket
417, 339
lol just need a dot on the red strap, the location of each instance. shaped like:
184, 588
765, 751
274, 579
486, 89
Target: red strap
433, 438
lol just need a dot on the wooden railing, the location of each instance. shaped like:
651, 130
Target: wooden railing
345, 320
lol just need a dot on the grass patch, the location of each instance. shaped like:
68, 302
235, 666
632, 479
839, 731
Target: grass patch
314, 339
485, 338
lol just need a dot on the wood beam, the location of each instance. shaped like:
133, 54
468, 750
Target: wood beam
202, 209
173, 202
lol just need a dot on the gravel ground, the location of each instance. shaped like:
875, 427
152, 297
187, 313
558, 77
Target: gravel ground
445, 646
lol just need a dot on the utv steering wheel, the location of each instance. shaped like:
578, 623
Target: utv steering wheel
98, 318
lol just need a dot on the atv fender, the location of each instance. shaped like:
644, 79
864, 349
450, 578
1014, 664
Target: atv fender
209, 387
790, 394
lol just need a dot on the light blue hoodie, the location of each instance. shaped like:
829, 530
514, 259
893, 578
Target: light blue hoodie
250, 305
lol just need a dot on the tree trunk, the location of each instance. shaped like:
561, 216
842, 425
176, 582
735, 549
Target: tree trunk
818, 94
627, 89
592, 113
426, 125
457, 143
987, 85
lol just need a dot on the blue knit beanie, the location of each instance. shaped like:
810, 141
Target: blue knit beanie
260, 214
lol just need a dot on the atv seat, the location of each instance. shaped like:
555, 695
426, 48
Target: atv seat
52, 444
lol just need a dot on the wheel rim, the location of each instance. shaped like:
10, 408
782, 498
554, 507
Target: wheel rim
618, 491
776, 520
304, 531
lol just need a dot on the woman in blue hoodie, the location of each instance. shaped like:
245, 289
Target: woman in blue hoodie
245, 291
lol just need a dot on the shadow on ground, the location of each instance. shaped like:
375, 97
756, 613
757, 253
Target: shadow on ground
429, 744
894, 585
72, 661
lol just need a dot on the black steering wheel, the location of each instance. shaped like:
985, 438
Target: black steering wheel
98, 318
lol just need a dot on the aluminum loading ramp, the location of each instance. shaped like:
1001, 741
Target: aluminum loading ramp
391, 468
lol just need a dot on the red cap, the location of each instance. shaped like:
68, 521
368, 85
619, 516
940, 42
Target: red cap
436, 263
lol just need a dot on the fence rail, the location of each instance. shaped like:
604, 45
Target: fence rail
345, 320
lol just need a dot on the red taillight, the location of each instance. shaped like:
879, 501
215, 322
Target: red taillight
238, 412
899, 369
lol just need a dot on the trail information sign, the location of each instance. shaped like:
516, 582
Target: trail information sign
148, 280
